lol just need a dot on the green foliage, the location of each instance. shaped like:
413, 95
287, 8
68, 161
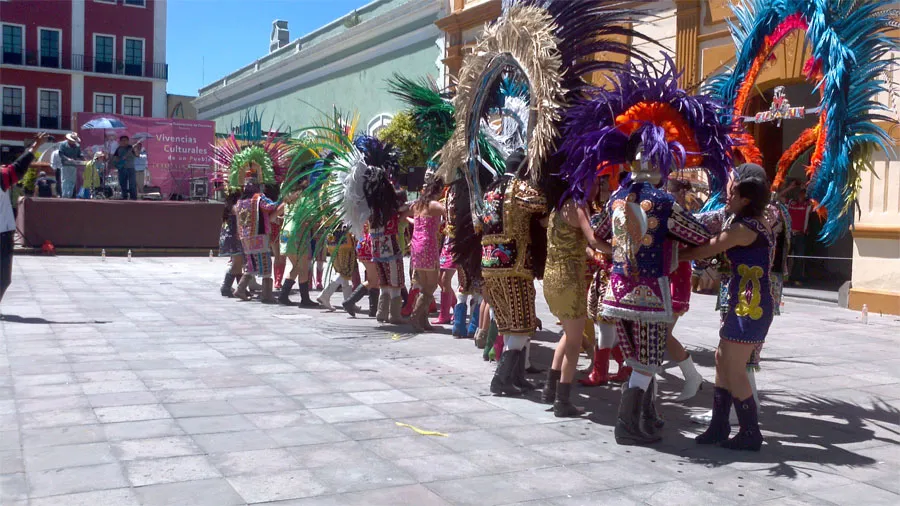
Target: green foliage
28, 179
404, 135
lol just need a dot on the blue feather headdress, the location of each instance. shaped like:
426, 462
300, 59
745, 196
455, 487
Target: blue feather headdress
850, 54
676, 129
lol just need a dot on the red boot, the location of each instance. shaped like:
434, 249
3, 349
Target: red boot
624, 371
433, 307
279, 273
410, 303
447, 300
600, 372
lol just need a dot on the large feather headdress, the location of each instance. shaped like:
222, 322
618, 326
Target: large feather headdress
850, 54
249, 143
677, 129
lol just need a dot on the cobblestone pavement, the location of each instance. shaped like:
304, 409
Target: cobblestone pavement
136, 383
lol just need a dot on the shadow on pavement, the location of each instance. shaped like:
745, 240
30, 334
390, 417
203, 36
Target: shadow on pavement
41, 321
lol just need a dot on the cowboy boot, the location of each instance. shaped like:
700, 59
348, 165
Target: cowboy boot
459, 320
404, 294
268, 296
373, 301
418, 319
241, 290
394, 316
227, 283
624, 372
284, 296
480, 338
563, 407
498, 347
489, 342
599, 370
519, 378
502, 383
719, 428
628, 422
357, 295
324, 298
279, 273
305, 301
410, 304
548, 395
693, 381
446, 305
651, 422
473, 320
384, 307
749, 437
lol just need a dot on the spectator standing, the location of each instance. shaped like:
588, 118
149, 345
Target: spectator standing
9, 176
70, 155
56, 165
44, 186
140, 167
123, 161
799, 209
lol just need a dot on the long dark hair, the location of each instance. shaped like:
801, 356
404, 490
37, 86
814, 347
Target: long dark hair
380, 197
751, 184
231, 199
431, 191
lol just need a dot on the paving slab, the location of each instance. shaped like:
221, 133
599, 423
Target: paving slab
174, 395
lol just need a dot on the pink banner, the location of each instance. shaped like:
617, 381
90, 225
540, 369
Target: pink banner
178, 150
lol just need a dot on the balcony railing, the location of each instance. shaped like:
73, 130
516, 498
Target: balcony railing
32, 121
80, 62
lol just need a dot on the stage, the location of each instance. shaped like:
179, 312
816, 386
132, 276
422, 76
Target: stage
69, 223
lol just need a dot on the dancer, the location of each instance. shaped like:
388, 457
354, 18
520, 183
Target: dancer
254, 211
625, 125
508, 269
747, 244
343, 262
230, 244
569, 234
680, 280
370, 287
425, 247
295, 245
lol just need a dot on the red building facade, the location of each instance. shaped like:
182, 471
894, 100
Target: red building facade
67, 56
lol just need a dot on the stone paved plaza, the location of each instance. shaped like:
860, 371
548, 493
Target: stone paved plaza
135, 383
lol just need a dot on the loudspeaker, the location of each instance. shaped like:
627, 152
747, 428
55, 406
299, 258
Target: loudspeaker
199, 188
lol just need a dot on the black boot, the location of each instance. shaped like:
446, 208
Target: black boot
357, 295
225, 290
504, 376
749, 437
548, 395
628, 423
651, 422
719, 428
373, 301
305, 301
519, 378
563, 407
404, 293
284, 296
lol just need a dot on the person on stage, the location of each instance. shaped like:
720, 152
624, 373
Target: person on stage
747, 243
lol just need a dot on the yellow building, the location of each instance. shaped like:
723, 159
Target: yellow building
696, 32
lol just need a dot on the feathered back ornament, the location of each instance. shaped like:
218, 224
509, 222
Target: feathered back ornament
379, 154
249, 142
850, 46
676, 129
241, 167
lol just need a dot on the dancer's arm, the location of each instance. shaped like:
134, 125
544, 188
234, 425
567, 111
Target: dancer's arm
736, 235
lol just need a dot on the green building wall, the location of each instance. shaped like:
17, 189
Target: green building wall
362, 89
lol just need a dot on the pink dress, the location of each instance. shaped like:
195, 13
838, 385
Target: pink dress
425, 249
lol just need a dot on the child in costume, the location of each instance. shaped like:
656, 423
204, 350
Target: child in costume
230, 244
343, 261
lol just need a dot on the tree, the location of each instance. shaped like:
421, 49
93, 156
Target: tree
402, 133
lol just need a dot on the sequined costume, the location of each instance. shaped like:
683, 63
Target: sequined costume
680, 281
506, 259
364, 245
643, 222
449, 232
254, 229
290, 242
229, 242
564, 277
386, 253
342, 248
750, 302
424, 247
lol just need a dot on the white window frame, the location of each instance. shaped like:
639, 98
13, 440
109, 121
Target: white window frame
381, 120
125, 53
24, 100
111, 2
24, 40
58, 106
94, 106
142, 6
94, 51
139, 97
40, 53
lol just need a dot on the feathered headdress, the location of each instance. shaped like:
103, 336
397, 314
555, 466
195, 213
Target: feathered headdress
677, 129
850, 53
249, 143
378, 153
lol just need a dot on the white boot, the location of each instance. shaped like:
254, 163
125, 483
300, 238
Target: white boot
693, 381
324, 299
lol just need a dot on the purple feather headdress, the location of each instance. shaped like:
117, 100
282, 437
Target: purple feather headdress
596, 130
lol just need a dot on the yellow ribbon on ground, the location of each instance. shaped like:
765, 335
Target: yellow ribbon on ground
421, 431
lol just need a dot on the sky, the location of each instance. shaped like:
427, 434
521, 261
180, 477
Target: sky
209, 39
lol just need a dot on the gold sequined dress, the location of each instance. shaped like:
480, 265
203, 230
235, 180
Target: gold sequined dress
564, 278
